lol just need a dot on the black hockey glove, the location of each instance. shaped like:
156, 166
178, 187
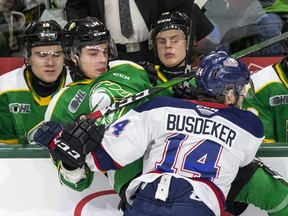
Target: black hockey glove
82, 137
73, 143
46, 136
185, 91
152, 73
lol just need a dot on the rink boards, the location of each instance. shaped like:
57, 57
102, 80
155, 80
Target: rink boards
29, 185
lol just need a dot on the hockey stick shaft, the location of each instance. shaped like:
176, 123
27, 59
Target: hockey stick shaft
260, 46
117, 105
190, 41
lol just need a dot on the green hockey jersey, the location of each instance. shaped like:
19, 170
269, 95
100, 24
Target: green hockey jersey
270, 102
123, 79
21, 108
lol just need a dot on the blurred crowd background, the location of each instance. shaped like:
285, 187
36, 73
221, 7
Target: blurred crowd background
238, 23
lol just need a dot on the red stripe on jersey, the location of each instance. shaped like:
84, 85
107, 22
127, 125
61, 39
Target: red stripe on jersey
219, 194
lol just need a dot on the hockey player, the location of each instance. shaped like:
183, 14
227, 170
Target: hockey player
165, 38
88, 48
26, 92
192, 149
96, 85
270, 102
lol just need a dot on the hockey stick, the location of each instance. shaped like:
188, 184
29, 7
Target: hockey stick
260, 46
190, 41
189, 73
115, 106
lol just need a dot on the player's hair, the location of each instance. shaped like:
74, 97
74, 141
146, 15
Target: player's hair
218, 73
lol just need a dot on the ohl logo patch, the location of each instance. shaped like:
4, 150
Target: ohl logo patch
76, 101
20, 108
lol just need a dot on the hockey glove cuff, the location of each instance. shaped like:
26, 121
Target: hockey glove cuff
73, 176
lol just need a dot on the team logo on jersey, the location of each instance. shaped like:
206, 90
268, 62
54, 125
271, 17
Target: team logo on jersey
76, 101
20, 108
278, 100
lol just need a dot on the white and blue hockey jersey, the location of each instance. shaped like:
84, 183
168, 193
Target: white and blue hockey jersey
203, 142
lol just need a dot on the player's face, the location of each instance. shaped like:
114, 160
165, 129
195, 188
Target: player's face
47, 62
171, 47
93, 60
231, 97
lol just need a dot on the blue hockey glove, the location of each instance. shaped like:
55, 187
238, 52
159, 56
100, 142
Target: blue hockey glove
46, 133
46, 136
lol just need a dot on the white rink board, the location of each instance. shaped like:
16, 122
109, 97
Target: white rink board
30, 187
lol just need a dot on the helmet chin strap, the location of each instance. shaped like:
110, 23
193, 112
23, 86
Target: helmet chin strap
178, 65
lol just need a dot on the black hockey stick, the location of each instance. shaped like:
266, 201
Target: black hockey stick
115, 106
260, 46
188, 70
190, 40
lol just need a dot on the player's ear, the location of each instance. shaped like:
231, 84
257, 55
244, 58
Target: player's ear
74, 55
230, 97
75, 58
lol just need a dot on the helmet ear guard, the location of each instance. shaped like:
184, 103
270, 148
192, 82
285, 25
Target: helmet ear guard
26, 55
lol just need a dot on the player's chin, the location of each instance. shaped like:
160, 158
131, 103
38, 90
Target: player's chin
50, 77
101, 71
97, 74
